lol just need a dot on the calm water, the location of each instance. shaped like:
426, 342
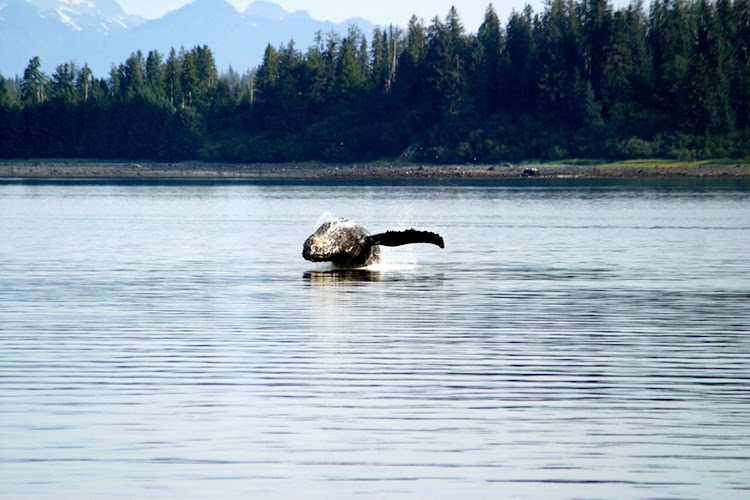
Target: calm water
573, 340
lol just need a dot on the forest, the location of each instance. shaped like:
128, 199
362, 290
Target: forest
581, 79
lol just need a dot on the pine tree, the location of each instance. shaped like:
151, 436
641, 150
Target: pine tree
446, 75
407, 95
83, 83
268, 74
33, 84
350, 78
8, 113
133, 81
188, 78
492, 46
182, 136
62, 84
172, 78
316, 77
205, 68
740, 18
380, 64
155, 75
6, 99
559, 63
670, 37
519, 84
597, 20
709, 78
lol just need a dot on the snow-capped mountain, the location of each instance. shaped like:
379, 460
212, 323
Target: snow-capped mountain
100, 33
103, 16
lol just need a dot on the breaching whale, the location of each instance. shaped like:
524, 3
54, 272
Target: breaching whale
349, 245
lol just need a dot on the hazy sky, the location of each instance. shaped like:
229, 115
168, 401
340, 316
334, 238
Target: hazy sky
378, 11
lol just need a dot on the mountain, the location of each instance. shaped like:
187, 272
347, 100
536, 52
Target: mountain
266, 10
100, 33
103, 16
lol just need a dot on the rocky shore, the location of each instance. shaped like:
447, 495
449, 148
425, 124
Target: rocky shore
69, 169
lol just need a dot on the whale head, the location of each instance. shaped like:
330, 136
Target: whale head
339, 241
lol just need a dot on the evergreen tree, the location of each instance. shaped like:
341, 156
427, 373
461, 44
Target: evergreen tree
33, 84
268, 74
380, 64
6, 99
670, 37
205, 68
626, 90
317, 75
447, 89
519, 82
350, 77
62, 84
597, 20
740, 72
182, 136
709, 79
491, 52
224, 101
155, 75
363, 61
188, 78
83, 83
133, 81
559, 63
289, 112
172, 78
408, 86
7, 116
416, 46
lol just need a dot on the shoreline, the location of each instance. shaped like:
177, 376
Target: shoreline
87, 169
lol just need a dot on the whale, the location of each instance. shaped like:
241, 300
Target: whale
348, 245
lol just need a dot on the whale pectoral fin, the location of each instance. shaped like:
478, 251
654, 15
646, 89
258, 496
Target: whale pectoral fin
398, 238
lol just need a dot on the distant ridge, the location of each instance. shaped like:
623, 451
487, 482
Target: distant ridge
100, 33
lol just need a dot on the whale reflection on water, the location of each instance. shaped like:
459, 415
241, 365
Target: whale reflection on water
342, 276
337, 276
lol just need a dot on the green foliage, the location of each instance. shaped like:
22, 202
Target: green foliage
351, 74
581, 78
182, 136
34, 81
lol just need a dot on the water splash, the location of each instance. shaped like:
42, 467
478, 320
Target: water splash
385, 266
325, 217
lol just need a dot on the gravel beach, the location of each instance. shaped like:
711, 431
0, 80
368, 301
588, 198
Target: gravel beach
42, 169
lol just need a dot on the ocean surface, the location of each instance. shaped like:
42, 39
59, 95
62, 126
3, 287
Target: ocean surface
575, 339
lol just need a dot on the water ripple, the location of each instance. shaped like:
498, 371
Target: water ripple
170, 342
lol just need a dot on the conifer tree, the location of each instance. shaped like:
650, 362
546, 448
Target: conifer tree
33, 84
62, 83
709, 78
132, 81
172, 78
188, 79
518, 78
155, 75
84, 83
492, 50
6, 100
268, 73
597, 20
350, 78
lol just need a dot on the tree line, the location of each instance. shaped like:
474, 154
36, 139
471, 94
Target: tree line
579, 79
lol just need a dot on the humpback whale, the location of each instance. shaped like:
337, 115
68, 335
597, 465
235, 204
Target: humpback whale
349, 245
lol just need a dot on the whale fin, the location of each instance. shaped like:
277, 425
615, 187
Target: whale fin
398, 238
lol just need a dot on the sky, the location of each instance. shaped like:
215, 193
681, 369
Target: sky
381, 12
